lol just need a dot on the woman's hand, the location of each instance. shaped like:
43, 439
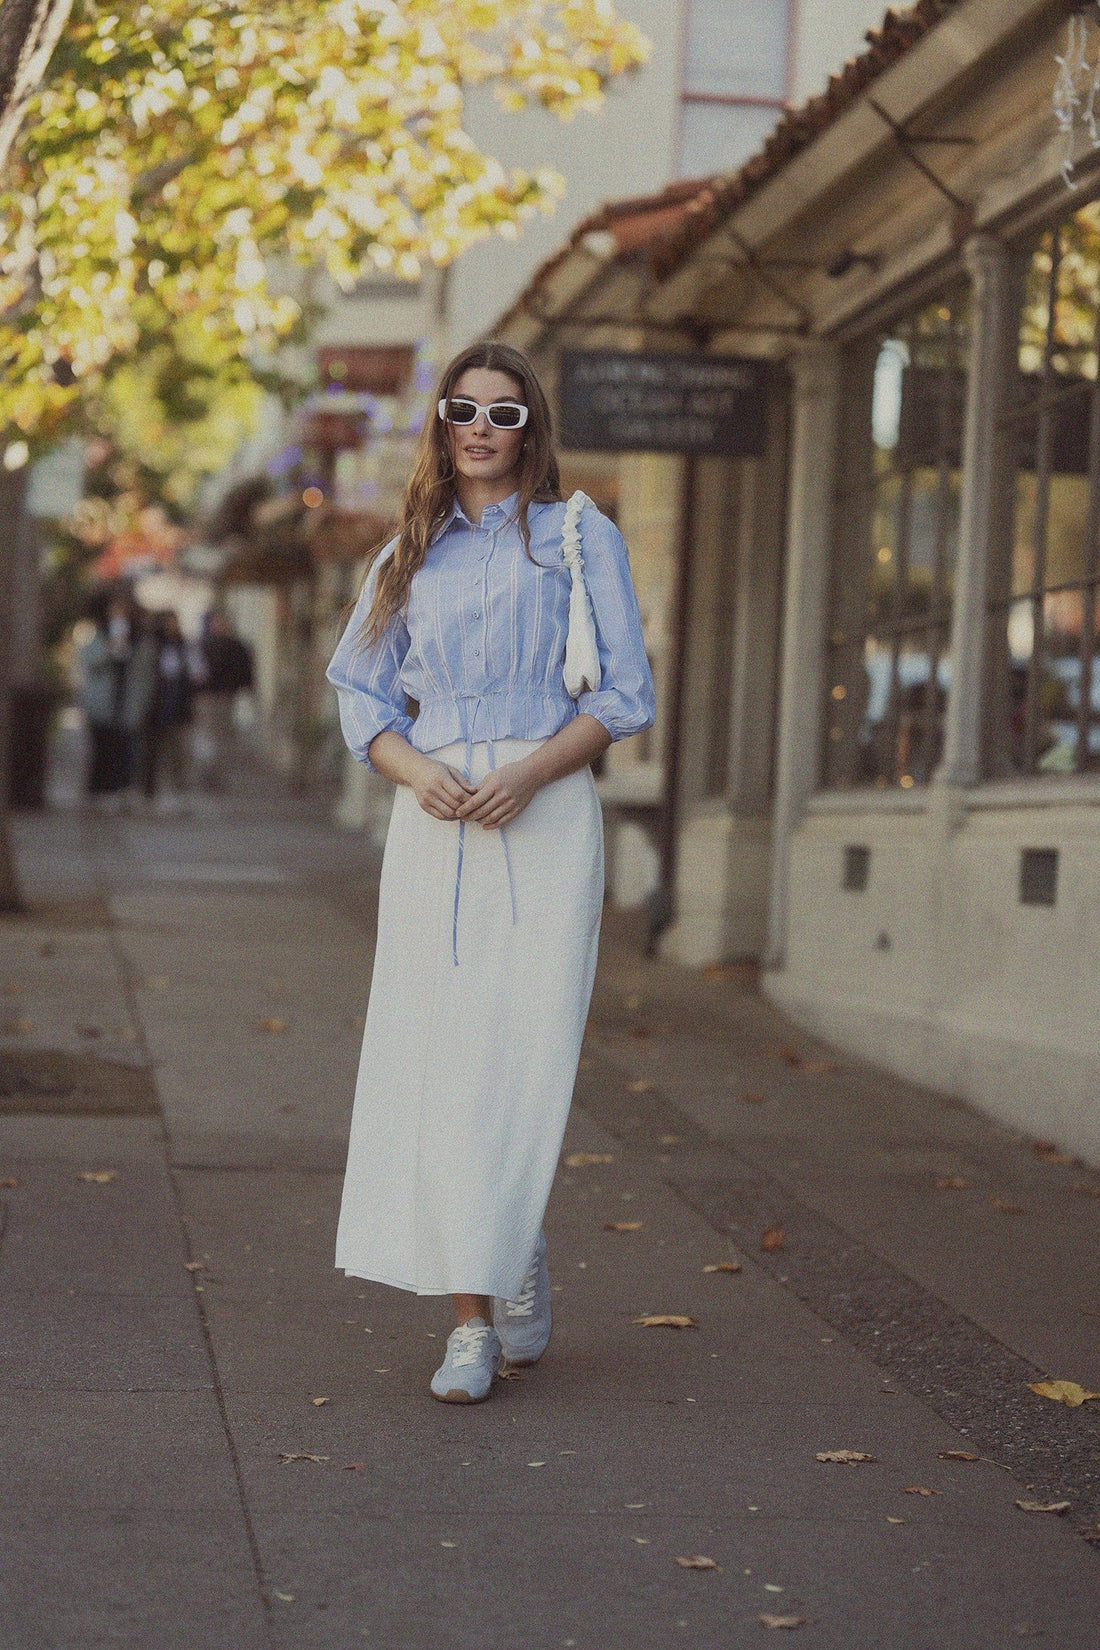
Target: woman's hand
502, 795
439, 789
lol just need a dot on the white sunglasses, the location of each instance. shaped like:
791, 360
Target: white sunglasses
502, 415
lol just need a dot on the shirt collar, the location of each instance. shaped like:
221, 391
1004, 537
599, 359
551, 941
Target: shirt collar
503, 511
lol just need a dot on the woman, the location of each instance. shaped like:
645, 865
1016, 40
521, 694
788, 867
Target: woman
492, 880
116, 686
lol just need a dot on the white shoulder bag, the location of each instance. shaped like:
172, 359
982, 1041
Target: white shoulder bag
582, 658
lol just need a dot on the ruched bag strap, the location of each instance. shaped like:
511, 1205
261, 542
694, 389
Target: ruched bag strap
582, 656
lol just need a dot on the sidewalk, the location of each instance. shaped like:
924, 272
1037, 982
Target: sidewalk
216, 1443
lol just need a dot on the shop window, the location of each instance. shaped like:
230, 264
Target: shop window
887, 668
1044, 681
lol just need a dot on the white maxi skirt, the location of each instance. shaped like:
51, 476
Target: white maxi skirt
467, 1069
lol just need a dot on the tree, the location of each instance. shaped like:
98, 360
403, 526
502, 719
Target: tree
176, 150
176, 153
29, 31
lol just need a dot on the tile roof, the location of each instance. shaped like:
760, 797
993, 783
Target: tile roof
633, 224
667, 226
897, 34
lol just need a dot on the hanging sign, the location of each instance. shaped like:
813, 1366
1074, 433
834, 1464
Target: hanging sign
617, 401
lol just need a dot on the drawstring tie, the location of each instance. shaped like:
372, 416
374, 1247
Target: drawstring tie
468, 740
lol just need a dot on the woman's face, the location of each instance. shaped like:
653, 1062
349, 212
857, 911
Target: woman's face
482, 452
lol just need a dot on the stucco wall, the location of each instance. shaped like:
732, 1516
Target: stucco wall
938, 972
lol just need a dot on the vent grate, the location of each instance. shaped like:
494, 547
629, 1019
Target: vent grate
857, 867
1038, 876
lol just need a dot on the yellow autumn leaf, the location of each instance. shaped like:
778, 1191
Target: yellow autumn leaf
97, 1177
767, 1619
697, 1561
622, 1226
584, 1160
723, 1266
666, 1320
1063, 1392
846, 1457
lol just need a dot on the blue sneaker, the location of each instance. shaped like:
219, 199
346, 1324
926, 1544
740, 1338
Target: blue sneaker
473, 1358
524, 1324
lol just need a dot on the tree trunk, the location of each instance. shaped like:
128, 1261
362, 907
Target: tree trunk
13, 487
29, 31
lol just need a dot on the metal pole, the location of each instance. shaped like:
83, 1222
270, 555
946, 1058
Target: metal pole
662, 902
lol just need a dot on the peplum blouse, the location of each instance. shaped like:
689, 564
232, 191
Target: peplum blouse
481, 643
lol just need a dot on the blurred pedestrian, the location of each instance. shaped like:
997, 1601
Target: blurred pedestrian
166, 753
116, 669
511, 620
226, 670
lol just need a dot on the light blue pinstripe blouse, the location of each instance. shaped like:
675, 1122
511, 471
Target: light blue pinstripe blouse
481, 644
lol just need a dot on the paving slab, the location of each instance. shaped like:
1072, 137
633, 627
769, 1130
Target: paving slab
169, 1494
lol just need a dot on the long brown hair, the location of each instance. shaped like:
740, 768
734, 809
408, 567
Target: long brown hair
431, 489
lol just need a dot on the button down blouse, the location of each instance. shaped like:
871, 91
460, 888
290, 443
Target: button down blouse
480, 645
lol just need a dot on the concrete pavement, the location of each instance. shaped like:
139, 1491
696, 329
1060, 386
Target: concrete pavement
215, 1442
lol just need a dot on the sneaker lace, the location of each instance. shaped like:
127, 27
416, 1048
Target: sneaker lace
524, 1303
468, 1344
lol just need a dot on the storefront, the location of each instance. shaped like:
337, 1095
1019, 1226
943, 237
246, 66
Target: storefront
908, 253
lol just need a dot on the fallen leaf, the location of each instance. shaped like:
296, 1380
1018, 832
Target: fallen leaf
1063, 1392
641, 1085
97, 1177
996, 1202
640, 1540
271, 1023
669, 1140
723, 1266
952, 1183
287, 1598
772, 1239
666, 1320
451, 1544
355, 1466
194, 1266
766, 1619
622, 1226
752, 1099
918, 1489
1048, 1150
958, 1455
286, 1457
890, 1520
847, 1457
317, 1402
536, 1463
633, 1001
1044, 1506
697, 1561
9, 1182
583, 1160
507, 1373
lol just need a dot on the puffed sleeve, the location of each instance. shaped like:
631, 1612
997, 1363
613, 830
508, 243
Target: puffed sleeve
367, 675
625, 701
